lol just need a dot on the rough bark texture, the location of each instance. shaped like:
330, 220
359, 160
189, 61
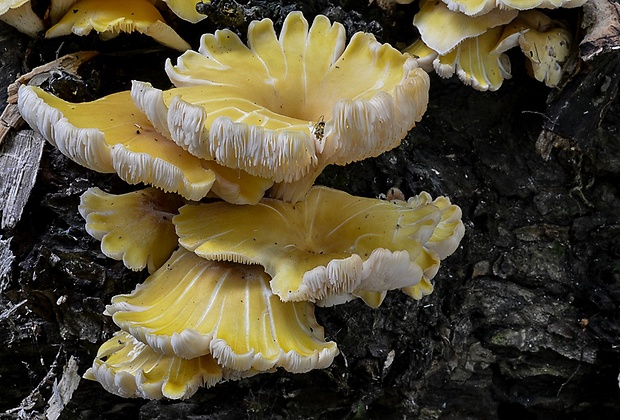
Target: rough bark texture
525, 318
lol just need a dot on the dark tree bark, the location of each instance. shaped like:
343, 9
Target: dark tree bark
525, 318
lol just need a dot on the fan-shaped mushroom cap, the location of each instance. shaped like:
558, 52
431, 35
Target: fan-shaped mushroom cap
129, 368
19, 14
110, 17
191, 307
544, 41
479, 7
186, 9
286, 107
445, 239
423, 54
330, 244
135, 227
112, 135
443, 29
475, 62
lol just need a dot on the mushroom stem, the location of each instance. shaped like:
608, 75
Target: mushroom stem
24, 19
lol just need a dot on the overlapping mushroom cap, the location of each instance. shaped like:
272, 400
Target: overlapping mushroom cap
110, 17
469, 39
328, 248
285, 107
112, 135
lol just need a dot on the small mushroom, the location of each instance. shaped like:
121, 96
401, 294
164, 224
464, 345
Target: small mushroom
326, 247
544, 41
476, 63
285, 107
135, 227
112, 135
129, 368
443, 29
111, 17
19, 14
191, 307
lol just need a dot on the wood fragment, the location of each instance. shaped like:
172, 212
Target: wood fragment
6, 260
10, 118
68, 63
602, 20
63, 391
20, 156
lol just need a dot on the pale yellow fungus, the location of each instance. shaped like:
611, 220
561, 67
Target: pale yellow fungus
480, 7
111, 17
191, 307
112, 135
129, 368
544, 41
321, 249
285, 107
135, 227
442, 29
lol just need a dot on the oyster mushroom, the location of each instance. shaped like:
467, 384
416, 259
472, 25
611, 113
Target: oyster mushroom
112, 135
325, 248
191, 307
285, 107
129, 368
135, 227
111, 17
544, 41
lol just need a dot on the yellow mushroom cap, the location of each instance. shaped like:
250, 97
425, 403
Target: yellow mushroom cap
476, 62
330, 244
112, 135
544, 41
480, 7
192, 307
135, 227
284, 107
186, 9
110, 17
129, 368
19, 14
443, 29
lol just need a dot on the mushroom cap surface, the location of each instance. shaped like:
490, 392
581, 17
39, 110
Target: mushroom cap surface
129, 368
443, 29
285, 107
135, 227
111, 17
112, 135
191, 307
330, 244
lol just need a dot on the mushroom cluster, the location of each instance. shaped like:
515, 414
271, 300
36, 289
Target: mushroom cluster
470, 38
106, 17
239, 244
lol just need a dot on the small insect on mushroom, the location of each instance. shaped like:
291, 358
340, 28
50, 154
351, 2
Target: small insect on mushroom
319, 129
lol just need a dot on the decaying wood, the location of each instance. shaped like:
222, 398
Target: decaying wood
6, 260
19, 162
602, 21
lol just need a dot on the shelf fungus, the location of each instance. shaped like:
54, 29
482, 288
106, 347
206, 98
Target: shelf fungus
112, 135
111, 17
19, 14
135, 227
285, 107
331, 247
472, 45
192, 307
